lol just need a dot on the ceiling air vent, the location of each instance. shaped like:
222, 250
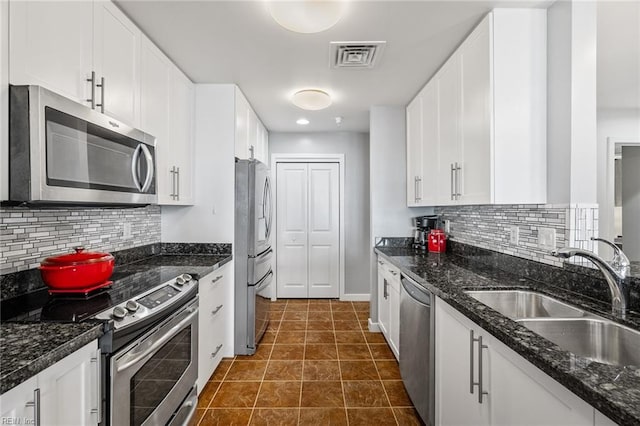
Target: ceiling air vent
356, 54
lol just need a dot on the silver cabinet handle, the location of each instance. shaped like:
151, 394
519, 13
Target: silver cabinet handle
419, 189
385, 292
36, 406
173, 182
394, 273
218, 348
216, 310
92, 99
480, 381
216, 279
452, 178
98, 410
458, 170
251, 150
149, 178
101, 86
178, 183
380, 262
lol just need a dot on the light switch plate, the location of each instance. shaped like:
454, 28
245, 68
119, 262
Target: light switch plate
447, 226
547, 238
126, 230
514, 235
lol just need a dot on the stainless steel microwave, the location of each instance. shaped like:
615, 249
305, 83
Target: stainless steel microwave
62, 152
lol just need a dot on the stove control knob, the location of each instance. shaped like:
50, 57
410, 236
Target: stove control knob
180, 281
187, 277
119, 313
132, 306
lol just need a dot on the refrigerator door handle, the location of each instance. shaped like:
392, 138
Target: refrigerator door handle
267, 206
264, 282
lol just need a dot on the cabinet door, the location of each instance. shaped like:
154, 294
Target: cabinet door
414, 152
383, 301
430, 145
455, 404
181, 108
69, 389
242, 126
51, 46
448, 80
17, 404
394, 317
252, 125
117, 59
521, 394
154, 113
475, 176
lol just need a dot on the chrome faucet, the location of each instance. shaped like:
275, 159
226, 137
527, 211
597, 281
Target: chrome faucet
614, 273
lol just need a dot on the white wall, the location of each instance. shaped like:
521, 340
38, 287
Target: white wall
623, 124
4, 100
390, 216
571, 94
631, 201
211, 219
355, 147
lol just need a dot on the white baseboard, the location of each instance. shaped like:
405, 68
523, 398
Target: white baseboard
373, 327
355, 297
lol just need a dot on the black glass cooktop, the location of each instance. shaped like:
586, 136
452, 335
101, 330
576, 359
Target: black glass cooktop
42, 306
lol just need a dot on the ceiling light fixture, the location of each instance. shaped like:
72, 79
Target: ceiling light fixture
311, 99
307, 16
302, 121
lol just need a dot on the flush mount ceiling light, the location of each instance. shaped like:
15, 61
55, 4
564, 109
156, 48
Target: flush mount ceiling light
307, 16
302, 121
311, 99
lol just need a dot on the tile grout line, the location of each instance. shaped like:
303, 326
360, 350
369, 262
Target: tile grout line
344, 395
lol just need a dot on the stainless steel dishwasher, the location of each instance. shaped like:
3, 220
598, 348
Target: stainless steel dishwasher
417, 347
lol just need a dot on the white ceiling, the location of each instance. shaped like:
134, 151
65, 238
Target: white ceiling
238, 42
618, 54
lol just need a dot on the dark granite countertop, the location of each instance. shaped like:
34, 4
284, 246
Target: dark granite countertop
614, 391
28, 347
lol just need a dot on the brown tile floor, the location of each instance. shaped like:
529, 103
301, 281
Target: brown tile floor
317, 365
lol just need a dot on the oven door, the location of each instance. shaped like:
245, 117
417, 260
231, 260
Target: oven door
152, 377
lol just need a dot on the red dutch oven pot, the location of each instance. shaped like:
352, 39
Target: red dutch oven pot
76, 272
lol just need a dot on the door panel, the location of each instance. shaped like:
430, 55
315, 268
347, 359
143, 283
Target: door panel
308, 230
323, 230
291, 261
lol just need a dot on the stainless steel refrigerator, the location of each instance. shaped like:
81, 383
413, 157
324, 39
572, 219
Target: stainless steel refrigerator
252, 254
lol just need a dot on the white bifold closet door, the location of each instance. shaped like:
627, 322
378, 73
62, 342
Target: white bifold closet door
308, 229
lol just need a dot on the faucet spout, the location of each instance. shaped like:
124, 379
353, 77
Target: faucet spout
614, 275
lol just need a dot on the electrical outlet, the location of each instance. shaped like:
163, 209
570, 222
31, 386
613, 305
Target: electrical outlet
514, 235
126, 230
447, 226
547, 238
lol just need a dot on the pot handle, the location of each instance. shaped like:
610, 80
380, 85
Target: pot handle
79, 249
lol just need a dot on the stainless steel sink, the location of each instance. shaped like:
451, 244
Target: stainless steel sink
518, 304
594, 338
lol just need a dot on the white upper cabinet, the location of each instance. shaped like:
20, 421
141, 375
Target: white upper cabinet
116, 58
181, 111
252, 138
414, 152
51, 45
488, 143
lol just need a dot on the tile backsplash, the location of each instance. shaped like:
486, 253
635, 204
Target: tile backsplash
28, 235
489, 226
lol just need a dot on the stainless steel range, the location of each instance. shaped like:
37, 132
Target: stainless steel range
150, 349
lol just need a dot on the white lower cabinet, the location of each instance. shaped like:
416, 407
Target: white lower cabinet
469, 361
67, 393
389, 304
215, 325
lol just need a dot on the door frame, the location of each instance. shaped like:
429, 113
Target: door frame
310, 158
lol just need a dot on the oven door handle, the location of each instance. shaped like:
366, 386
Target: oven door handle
132, 359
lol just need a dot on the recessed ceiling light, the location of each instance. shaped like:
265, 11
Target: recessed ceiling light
307, 16
302, 121
311, 99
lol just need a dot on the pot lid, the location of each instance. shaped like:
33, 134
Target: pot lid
80, 257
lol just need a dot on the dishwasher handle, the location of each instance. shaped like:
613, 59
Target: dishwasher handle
414, 290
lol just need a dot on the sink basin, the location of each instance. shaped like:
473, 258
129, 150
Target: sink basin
519, 304
593, 338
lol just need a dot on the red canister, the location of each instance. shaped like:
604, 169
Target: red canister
437, 241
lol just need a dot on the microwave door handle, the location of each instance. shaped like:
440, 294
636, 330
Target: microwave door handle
150, 170
134, 167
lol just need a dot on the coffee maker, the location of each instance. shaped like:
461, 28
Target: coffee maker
422, 225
